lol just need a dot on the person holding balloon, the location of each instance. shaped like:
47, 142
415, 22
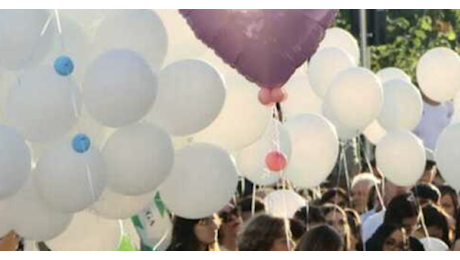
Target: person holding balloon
195, 234
266, 233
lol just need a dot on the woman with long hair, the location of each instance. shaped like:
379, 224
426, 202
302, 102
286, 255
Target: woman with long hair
388, 237
195, 234
337, 218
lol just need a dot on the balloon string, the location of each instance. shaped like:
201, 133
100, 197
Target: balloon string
70, 77
162, 239
347, 175
307, 210
90, 181
422, 218
368, 163
253, 202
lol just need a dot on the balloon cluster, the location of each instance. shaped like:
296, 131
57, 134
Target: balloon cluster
93, 128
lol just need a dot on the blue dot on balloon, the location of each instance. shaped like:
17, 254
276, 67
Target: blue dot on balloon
81, 143
64, 65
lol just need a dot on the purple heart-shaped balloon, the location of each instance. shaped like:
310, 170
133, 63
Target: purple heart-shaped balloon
266, 46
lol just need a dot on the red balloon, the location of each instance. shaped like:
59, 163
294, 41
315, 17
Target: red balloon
278, 95
265, 97
264, 45
276, 161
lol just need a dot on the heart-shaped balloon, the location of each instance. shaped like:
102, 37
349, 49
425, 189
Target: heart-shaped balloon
266, 46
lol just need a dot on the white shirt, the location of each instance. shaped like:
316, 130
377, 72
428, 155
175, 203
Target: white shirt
433, 122
371, 224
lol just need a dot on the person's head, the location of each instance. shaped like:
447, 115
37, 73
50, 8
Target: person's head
354, 221
337, 196
266, 233
403, 211
194, 234
430, 168
321, 238
231, 222
388, 237
311, 217
337, 218
392, 190
246, 205
449, 200
437, 223
426, 193
361, 185
297, 229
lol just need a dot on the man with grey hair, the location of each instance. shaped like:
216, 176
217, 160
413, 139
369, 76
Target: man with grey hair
360, 189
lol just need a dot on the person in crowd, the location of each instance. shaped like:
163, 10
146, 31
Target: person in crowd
311, 217
449, 200
430, 172
388, 237
361, 185
374, 204
231, 225
437, 224
11, 242
337, 196
321, 238
337, 218
246, 206
426, 193
297, 229
372, 222
435, 118
266, 233
354, 221
195, 234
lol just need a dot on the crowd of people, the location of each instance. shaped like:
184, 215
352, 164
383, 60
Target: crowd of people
374, 215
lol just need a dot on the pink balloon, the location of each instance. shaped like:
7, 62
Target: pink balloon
264, 45
265, 97
275, 161
278, 95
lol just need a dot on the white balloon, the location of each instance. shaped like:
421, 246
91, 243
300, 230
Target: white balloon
74, 42
324, 67
301, 97
251, 160
139, 158
229, 130
7, 79
119, 88
26, 37
203, 180
69, 181
112, 205
15, 161
374, 132
184, 44
447, 155
86, 17
344, 132
434, 244
438, 74
33, 219
315, 148
6, 218
356, 97
191, 96
339, 38
402, 106
88, 232
401, 157
43, 105
391, 73
141, 31
283, 203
